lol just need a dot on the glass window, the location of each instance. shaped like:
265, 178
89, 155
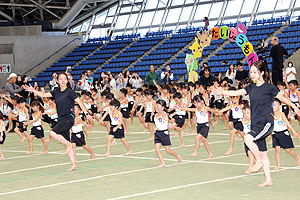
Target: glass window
143, 31
132, 20
266, 5
177, 2
281, 14
283, 4
122, 21
126, 9
112, 11
109, 20
85, 26
233, 7
158, 17
147, 18
76, 29
162, 3
151, 4
98, 32
248, 6
202, 11
189, 1
173, 15
100, 18
186, 12
265, 16
215, 10
297, 4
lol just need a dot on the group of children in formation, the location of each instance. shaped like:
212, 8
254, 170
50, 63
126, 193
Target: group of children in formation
176, 107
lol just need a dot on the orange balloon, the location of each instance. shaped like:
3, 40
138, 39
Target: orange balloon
215, 33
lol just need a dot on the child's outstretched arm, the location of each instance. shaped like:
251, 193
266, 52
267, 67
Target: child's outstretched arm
295, 134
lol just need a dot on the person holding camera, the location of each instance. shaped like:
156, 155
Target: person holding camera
167, 76
136, 81
53, 83
83, 83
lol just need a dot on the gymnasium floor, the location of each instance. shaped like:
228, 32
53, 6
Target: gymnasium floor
137, 176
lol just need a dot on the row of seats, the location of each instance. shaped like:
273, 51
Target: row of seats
123, 59
76, 58
86, 67
178, 40
55, 69
106, 51
114, 46
167, 46
227, 57
166, 32
81, 53
290, 40
266, 26
157, 57
257, 37
271, 20
136, 69
291, 28
288, 34
134, 53
70, 63
100, 56
163, 51
120, 41
161, 37
143, 48
90, 40
98, 61
112, 65
144, 43
125, 36
229, 51
112, 70
261, 32
152, 62
187, 30
91, 44
85, 48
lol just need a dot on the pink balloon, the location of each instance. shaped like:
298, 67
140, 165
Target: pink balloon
232, 34
252, 58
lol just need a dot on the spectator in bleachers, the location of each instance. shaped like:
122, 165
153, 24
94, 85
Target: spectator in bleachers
136, 81
112, 82
127, 76
121, 81
19, 80
167, 76
206, 23
277, 53
53, 83
152, 75
11, 87
290, 72
101, 79
206, 78
241, 74
230, 73
96, 84
24, 81
71, 81
89, 76
83, 83
205, 64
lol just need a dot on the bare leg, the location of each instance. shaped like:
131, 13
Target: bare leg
1, 153
225, 121
123, 140
249, 140
62, 140
86, 147
20, 134
173, 153
206, 145
230, 150
266, 168
277, 156
159, 155
131, 116
109, 138
197, 144
151, 131
85, 132
30, 144
74, 151
181, 136
45, 146
125, 126
192, 124
251, 162
72, 158
292, 153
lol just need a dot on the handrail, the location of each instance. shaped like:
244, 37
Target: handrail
51, 55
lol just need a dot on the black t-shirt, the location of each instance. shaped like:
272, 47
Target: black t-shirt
277, 53
64, 100
204, 81
240, 75
261, 100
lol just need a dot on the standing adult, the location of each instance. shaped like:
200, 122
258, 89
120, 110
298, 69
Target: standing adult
65, 99
167, 76
241, 74
136, 81
277, 53
290, 72
207, 77
152, 75
206, 23
262, 121
231, 72
89, 77
53, 83
11, 87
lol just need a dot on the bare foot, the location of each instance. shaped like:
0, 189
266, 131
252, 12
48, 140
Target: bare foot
114, 142
128, 153
162, 165
182, 145
210, 156
92, 156
228, 152
106, 155
193, 154
22, 139
2, 158
298, 161
248, 171
71, 168
224, 128
30, 152
258, 165
45, 152
179, 159
48, 141
269, 183
277, 168
68, 148
192, 132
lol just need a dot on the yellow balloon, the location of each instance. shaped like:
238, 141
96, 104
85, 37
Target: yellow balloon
247, 48
193, 76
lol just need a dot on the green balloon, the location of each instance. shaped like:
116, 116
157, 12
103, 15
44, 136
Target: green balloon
224, 32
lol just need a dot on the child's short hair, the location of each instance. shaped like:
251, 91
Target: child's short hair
148, 92
191, 84
129, 85
139, 90
124, 91
38, 104
110, 96
277, 100
94, 90
232, 88
172, 90
294, 82
77, 105
162, 103
115, 103
246, 106
86, 93
281, 83
215, 80
198, 99
104, 93
177, 95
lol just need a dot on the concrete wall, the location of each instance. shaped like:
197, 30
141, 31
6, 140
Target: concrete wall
295, 58
28, 51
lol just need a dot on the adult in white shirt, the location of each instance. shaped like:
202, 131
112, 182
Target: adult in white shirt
83, 83
230, 73
112, 82
167, 76
290, 72
136, 81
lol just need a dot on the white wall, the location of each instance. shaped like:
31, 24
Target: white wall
31, 50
